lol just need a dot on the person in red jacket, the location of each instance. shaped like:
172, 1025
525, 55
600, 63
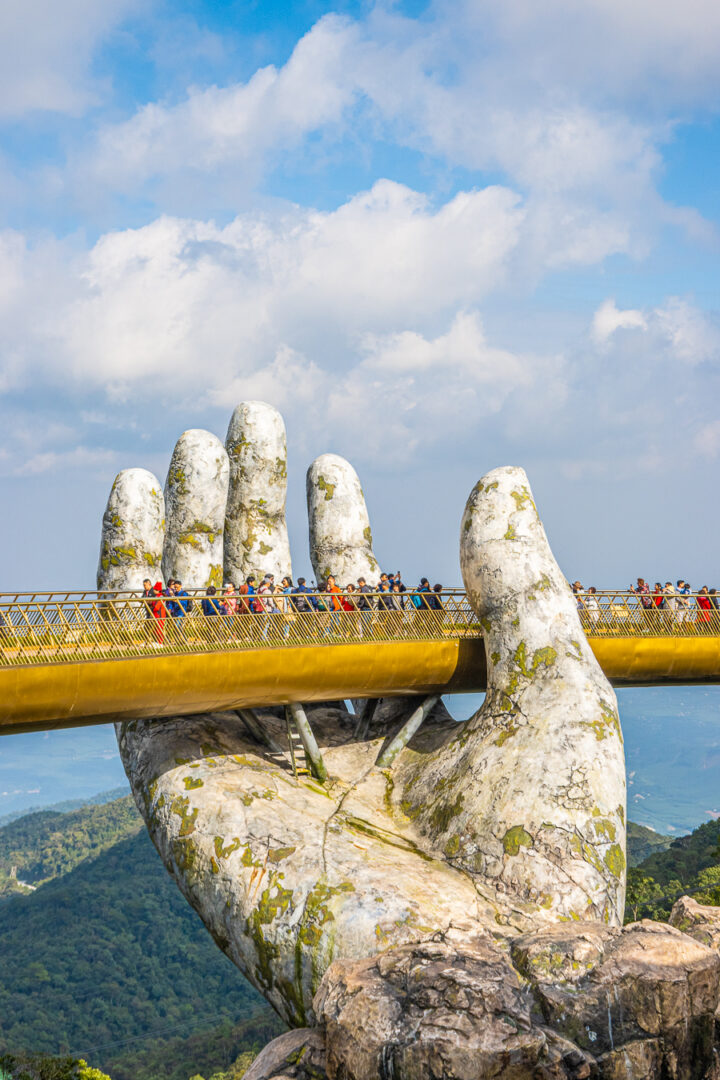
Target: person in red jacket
159, 612
705, 605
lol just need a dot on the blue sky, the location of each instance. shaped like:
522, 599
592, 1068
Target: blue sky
440, 237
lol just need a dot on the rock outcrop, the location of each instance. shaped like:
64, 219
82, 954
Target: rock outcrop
700, 921
567, 1003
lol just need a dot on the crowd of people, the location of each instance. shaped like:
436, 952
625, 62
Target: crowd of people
674, 604
266, 598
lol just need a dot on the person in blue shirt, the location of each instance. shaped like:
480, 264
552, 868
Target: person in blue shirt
208, 604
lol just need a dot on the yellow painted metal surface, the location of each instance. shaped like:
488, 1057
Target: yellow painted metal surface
39, 697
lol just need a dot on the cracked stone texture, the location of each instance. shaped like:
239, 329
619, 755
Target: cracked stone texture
572, 1001
340, 536
700, 921
133, 526
256, 538
195, 499
289, 875
529, 797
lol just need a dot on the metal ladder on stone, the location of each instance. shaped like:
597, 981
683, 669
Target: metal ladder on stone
298, 758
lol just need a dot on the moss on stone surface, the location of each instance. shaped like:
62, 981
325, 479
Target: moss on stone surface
515, 838
615, 860
328, 488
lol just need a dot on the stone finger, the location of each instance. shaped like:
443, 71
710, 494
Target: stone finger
133, 528
529, 796
195, 498
256, 538
341, 541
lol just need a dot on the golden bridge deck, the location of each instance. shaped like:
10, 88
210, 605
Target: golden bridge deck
72, 658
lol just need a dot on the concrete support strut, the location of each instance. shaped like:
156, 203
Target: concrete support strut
312, 750
406, 732
258, 730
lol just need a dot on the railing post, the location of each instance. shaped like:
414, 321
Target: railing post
406, 732
312, 750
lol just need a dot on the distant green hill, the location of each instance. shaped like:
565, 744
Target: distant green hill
691, 864
69, 804
642, 841
46, 844
109, 957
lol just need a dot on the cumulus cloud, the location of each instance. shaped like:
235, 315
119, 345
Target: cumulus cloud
46, 50
607, 319
692, 336
189, 303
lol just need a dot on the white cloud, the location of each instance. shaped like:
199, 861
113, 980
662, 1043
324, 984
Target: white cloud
80, 457
181, 303
693, 335
690, 335
707, 440
607, 319
46, 49
239, 123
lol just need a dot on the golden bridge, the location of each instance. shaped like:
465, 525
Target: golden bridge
89, 658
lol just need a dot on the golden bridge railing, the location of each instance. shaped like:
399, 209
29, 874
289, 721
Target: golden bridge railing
630, 614
52, 628
59, 628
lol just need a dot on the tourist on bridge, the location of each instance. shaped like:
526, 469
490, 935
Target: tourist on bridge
364, 606
209, 605
705, 605
302, 599
179, 605
159, 612
247, 591
421, 597
683, 603
148, 595
592, 607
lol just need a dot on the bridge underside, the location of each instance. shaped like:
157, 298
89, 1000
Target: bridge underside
42, 697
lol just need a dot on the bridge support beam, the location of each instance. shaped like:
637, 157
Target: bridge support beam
258, 731
312, 750
406, 732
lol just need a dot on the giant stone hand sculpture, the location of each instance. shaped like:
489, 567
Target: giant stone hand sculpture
512, 823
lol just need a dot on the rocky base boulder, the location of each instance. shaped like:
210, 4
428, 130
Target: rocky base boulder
571, 1002
698, 920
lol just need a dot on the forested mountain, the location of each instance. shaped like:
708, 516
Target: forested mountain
105, 960
108, 959
43, 845
691, 864
66, 805
642, 842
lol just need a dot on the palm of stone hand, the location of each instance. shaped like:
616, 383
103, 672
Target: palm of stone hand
508, 821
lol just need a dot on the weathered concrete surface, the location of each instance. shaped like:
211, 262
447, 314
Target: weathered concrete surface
256, 539
195, 499
133, 529
529, 797
285, 873
340, 536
